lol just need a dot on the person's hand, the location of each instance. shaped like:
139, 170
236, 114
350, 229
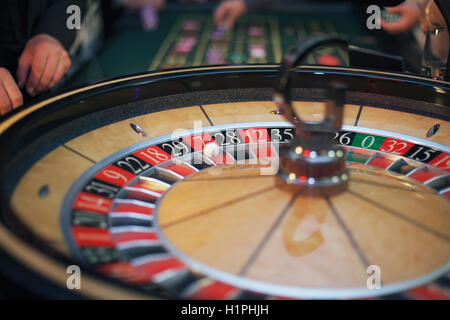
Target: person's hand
227, 13
431, 18
433, 23
137, 4
409, 16
42, 64
10, 95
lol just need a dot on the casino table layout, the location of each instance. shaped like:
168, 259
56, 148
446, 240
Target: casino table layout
189, 38
165, 185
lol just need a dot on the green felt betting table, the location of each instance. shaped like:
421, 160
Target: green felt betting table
174, 171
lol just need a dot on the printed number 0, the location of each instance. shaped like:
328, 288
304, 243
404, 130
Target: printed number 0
114, 175
347, 139
393, 144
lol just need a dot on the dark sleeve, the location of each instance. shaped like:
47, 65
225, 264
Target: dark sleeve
255, 4
384, 3
53, 21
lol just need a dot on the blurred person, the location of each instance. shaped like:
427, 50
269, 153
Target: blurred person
433, 38
226, 14
435, 63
